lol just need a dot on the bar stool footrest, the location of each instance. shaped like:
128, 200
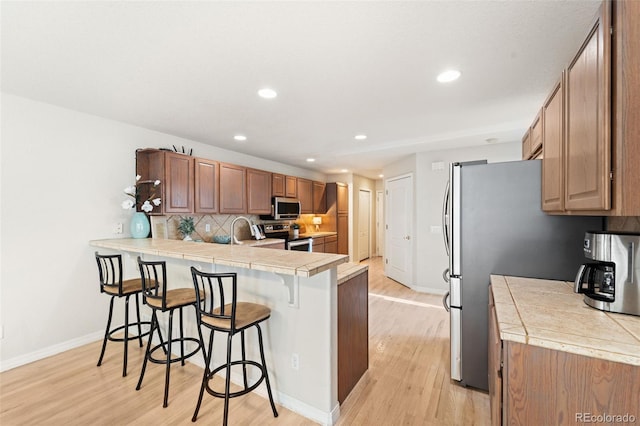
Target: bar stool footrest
164, 346
244, 391
131, 336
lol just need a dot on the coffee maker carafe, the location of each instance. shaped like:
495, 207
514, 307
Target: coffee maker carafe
611, 282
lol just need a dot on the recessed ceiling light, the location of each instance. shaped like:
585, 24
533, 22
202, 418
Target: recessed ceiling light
267, 93
448, 76
361, 137
380, 175
344, 171
310, 160
240, 138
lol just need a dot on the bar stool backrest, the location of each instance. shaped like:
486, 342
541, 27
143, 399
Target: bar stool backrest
110, 272
212, 293
154, 281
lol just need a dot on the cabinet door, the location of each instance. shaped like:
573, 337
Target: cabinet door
331, 244
536, 135
277, 185
588, 141
206, 186
343, 198
526, 145
318, 245
343, 234
258, 192
319, 198
552, 162
290, 187
305, 195
178, 183
232, 189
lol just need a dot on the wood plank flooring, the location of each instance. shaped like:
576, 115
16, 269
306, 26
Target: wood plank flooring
407, 382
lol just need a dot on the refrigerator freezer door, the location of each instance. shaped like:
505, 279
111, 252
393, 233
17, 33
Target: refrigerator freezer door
456, 344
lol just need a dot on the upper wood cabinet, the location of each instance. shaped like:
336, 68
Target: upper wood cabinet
343, 198
232, 189
591, 166
207, 178
277, 185
552, 164
319, 198
526, 145
536, 136
258, 191
290, 187
337, 216
176, 174
305, 195
588, 120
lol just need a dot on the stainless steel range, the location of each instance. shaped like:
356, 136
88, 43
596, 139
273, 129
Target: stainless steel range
282, 230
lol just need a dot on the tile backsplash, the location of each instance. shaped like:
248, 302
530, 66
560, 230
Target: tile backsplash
219, 224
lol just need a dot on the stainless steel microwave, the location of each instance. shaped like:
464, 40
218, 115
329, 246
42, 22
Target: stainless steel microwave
283, 209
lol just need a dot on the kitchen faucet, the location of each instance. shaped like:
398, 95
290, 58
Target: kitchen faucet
233, 228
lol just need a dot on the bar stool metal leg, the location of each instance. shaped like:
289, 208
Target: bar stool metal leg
266, 373
168, 368
106, 332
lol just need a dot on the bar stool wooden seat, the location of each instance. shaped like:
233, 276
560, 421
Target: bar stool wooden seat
214, 313
110, 272
160, 299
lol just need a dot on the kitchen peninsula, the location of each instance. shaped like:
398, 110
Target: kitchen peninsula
301, 289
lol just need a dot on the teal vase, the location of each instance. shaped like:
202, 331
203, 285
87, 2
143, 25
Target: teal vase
140, 226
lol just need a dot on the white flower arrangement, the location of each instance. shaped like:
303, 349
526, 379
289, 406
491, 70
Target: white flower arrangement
132, 191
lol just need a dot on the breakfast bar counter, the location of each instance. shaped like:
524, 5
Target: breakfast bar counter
300, 289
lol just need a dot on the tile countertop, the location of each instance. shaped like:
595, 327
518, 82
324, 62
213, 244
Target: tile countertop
285, 262
549, 314
346, 271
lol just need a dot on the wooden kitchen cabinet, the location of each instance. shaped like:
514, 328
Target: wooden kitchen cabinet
319, 198
277, 185
331, 244
176, 174
207, 175
526, 145
258, 191
536, 136
553, 161
305, 195
233, 198
338, 214
588, 120
290, 187
318, 244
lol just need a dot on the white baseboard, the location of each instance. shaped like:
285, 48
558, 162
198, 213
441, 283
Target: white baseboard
50, 351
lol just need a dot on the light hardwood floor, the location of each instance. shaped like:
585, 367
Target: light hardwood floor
407, 382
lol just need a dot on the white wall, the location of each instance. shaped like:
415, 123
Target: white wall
430, 185
62, 178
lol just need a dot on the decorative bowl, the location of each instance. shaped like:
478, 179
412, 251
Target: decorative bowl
221, 239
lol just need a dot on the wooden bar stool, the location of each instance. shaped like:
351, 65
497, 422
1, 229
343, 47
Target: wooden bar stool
159, 299
111, 283
230, 318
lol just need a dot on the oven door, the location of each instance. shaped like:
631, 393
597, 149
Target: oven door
305, 244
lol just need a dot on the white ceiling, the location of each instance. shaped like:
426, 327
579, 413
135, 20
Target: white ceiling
192, 69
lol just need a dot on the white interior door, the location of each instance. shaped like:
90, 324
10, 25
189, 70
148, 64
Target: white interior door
379, 219
364, 224
399, 229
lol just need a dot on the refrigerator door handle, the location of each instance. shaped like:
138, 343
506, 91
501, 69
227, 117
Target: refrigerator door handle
445, 218
445, 275
444, 302
456, 346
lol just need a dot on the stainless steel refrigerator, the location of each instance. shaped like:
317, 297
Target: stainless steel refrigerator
493, 224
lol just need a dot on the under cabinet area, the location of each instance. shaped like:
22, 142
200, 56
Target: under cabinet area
555, 360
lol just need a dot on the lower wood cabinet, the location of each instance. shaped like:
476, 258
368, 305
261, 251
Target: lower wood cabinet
331, 244
353, 333
318, 245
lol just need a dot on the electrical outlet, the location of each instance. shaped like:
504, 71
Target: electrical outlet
117, 229
295, 361
207, 227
